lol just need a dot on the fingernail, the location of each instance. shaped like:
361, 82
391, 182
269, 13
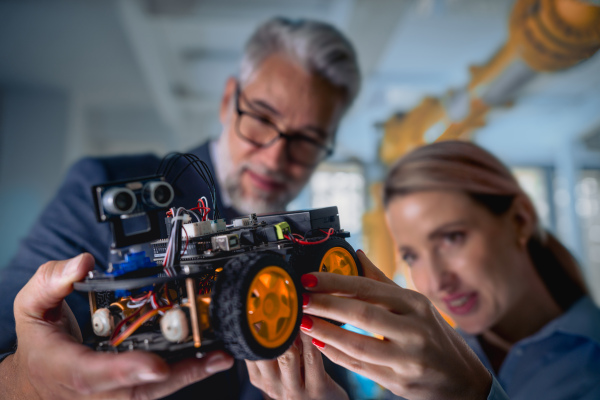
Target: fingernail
360, 251
217, 363
307, 323
72, 266
148, 376
318, 343
308, 280
305, 299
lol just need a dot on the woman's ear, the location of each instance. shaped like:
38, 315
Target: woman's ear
524, 219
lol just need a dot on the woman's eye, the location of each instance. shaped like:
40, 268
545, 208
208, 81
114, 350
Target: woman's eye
409, 258
454, 237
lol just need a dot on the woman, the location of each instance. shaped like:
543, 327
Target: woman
471, 239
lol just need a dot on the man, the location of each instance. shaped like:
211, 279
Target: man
279, 119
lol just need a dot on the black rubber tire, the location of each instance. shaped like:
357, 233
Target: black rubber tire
228, 306
307, 258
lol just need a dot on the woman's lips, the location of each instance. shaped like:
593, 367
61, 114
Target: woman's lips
263, 182
461, 304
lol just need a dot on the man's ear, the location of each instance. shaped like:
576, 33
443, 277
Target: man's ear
228, 95
525, 222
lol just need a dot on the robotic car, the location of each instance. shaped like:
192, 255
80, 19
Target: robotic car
210, 284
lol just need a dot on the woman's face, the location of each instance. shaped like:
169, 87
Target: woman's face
466, 260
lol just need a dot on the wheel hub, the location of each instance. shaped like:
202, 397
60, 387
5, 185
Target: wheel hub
272, 306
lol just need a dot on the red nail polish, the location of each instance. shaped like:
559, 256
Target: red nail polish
308, 280
360, 251
318, 343
307, 323
305, 299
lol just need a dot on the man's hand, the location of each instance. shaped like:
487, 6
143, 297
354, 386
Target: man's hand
51, 363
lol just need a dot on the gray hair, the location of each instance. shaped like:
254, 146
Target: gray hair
318, 47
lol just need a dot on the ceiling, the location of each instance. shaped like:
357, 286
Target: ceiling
152, 71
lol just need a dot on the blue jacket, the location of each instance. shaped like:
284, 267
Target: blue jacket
68, 227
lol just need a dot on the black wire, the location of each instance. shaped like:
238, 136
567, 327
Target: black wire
202, 169
170, 156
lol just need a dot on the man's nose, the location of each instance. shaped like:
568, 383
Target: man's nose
275, 156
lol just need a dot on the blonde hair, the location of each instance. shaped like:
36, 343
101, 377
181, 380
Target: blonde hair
466, 167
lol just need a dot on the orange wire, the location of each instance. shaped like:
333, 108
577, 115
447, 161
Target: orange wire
134, 326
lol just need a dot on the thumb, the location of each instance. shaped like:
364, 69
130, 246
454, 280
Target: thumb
371, 271
52, 282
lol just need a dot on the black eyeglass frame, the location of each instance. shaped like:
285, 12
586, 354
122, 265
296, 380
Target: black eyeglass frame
282, 135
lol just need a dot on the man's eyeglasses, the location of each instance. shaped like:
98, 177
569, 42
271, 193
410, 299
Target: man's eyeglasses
261, 132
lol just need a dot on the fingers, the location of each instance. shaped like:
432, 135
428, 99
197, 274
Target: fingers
59, 360
298, 370
370, 270
266, 376
280, 376
185, 373
378, 373
364, 348
315, 378
391, 297
51, 283
290, 367
253, 373
84, 371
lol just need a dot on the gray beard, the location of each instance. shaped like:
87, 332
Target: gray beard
230, 180
260, 204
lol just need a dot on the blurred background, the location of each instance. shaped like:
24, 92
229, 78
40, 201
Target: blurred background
100, 77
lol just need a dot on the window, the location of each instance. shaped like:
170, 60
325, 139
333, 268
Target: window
342, 185
587, 206
534, 181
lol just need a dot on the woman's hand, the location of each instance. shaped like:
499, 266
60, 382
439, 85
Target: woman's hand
51, 363
296, 374
420, 355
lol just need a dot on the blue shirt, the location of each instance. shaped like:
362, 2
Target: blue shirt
561, 361
68, 226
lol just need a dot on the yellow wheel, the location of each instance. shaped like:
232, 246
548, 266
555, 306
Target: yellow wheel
338, 260
254, 308
335, 255
272, 306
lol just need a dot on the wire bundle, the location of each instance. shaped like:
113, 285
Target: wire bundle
173, 255
168, 163
158, 306
299, 239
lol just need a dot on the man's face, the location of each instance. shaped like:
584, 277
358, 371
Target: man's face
265, 179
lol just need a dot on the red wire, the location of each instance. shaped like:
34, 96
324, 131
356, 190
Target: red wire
154, 302
120, 325
167, 296
203, 208
304, 242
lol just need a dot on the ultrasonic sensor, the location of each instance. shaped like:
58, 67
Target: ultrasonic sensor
158, 194
119, 200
